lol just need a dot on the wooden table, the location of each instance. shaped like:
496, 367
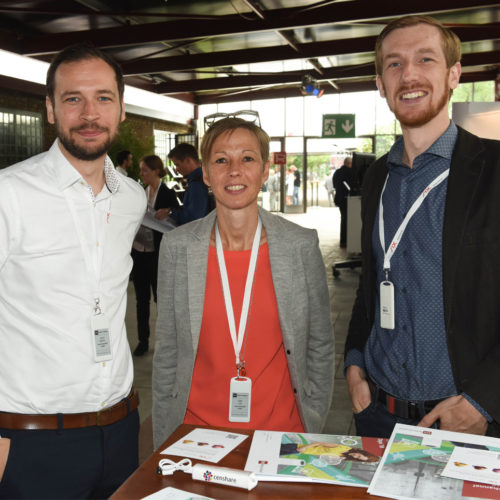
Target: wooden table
145, 479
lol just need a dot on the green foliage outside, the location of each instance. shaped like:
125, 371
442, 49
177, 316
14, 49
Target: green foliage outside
128, 140
477, 92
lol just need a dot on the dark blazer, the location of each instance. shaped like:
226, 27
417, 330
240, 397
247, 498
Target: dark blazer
165, 198
471, 268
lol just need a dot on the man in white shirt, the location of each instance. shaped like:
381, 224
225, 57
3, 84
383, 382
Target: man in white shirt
67, 222
124, 162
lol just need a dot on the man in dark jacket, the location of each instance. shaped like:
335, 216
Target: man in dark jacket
424, 339
342, 180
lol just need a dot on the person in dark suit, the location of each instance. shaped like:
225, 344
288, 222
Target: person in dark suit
146, 247
342, 181
424, 340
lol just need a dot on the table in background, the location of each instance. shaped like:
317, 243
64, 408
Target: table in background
145, 479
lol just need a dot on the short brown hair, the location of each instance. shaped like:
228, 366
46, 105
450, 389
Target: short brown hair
182, 151
154, 162
80, 52
451, 43
229, 125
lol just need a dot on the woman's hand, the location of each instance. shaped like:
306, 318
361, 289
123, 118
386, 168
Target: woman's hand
163, 213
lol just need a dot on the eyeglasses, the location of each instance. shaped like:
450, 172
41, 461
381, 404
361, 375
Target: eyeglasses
247, 114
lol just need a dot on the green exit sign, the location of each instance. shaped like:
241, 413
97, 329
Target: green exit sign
339, 126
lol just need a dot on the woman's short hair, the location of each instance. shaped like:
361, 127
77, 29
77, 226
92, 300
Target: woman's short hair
154, 162
230, 125
451, 43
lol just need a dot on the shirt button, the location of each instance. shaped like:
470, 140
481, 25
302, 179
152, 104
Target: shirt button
96, 243
404, 290
404, 328
405, 253
288, 351
103, 404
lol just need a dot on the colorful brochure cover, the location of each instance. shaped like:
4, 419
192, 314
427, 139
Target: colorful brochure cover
289, 456
415, 458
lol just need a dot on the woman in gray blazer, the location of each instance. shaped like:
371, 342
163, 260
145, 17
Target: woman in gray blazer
244, 337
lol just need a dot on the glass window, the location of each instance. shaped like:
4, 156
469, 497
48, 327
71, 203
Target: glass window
315, 108
294, 116
272, 115
164, 143
21, 136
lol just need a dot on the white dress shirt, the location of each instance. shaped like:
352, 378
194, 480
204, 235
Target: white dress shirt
122, 171
60, 247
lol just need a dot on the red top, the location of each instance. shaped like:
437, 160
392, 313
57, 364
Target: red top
273, 405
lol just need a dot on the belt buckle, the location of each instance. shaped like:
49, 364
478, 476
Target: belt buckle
399, 407
390, 403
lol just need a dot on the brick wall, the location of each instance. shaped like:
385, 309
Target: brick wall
21, 101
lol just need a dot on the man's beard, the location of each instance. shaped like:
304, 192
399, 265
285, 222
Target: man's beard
85, 152
426, 115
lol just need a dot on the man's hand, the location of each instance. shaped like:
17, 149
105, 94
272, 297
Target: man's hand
358, 388
4, 453
456, 414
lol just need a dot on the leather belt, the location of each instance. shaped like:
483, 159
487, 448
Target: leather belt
402, 408
115, 413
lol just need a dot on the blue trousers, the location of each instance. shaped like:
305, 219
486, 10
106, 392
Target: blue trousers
376, 421
91, 462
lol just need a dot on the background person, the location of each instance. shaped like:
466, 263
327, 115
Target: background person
287, 347
273, 187
289, 186
439, 362
67, 222
296, 184
146, 245
124, 162
340, 178
329, 187
196, 202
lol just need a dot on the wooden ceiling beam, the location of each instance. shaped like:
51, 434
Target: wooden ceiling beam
276, 19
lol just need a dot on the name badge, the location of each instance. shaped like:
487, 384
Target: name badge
101, 338
240, 397
387, 305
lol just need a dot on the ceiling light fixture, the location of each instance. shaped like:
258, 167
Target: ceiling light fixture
310, 86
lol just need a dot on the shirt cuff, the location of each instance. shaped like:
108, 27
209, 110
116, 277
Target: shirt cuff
480, 409
354, 357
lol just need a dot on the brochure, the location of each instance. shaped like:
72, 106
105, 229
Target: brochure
205, 444
474, 465
415, 458
170, 493
162, 225
323, 458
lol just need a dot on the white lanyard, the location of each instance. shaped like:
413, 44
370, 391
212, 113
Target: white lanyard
237, 338
399, 233
94, 269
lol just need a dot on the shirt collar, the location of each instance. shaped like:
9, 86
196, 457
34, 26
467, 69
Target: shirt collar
66, 175
197, 172
443, 146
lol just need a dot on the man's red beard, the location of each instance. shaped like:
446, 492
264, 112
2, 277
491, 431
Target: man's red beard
418, 118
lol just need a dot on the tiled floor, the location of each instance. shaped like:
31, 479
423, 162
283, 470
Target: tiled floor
342, 292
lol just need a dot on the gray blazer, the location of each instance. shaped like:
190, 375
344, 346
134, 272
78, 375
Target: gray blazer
303, 306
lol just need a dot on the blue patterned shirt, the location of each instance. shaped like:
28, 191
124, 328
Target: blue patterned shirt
412, 361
